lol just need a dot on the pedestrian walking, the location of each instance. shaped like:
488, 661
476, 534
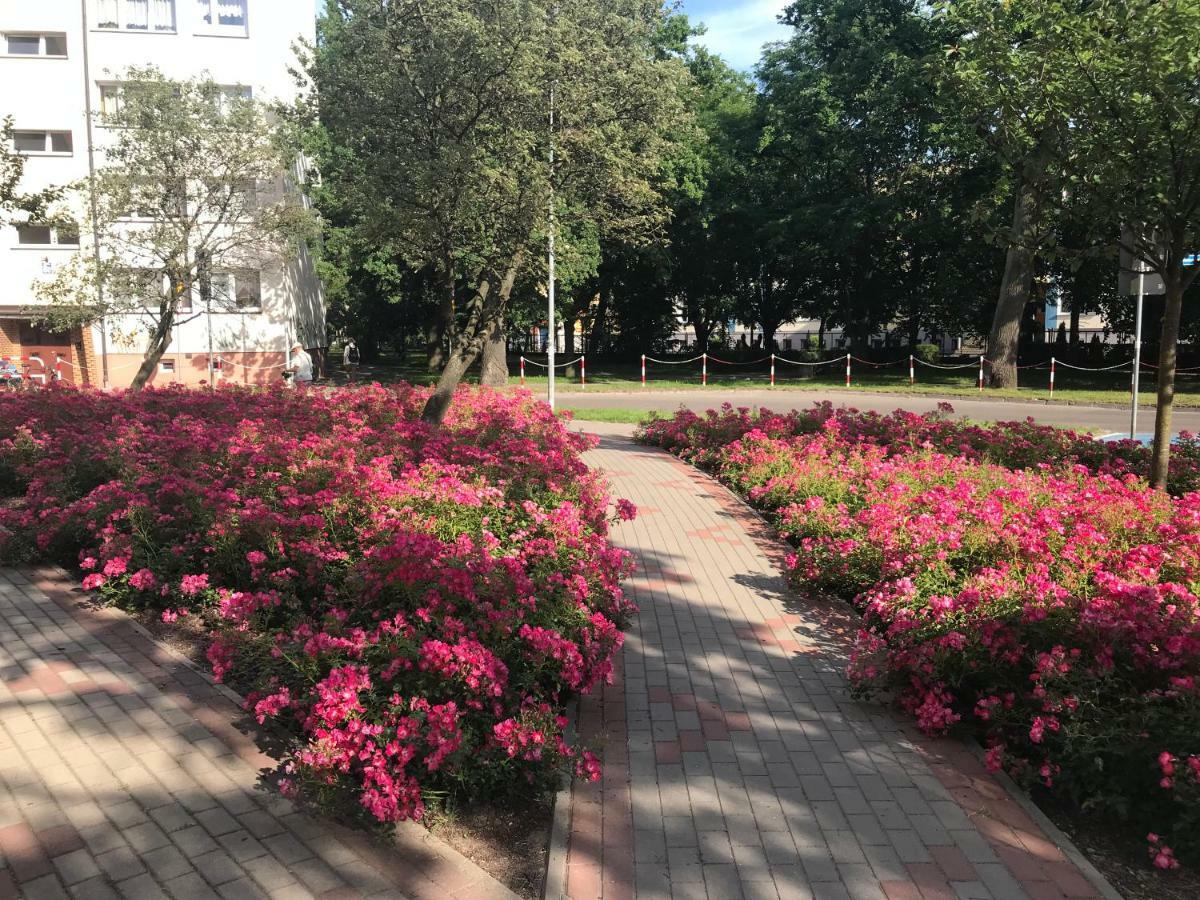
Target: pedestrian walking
350, 359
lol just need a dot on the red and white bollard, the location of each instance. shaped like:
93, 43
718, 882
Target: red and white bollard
522, 371
912, 369
772, 370
981, 374
583, 371
643, 370
1053, 364
58, 368
704, 369
847, 370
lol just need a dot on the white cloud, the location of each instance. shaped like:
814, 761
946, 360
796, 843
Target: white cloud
737, 33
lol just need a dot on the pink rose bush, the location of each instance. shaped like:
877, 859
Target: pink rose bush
1046, 603
409, 607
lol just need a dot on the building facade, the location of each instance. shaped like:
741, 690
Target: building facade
59, 65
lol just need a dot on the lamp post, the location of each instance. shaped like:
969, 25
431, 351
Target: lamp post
204, 276
1137, 350
550, 336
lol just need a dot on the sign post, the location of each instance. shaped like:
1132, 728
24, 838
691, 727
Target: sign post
1145, 283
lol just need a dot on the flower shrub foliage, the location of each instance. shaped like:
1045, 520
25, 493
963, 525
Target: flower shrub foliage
1016, 581
410, 606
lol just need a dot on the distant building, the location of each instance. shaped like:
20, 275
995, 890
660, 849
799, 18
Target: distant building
58, 64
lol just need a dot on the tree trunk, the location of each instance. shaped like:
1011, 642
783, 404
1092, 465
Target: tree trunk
441, 326
703, 331
597, 336
768, 336
1014, 294
1074, 321
469, 345
493, 371
160, 339
1167, 359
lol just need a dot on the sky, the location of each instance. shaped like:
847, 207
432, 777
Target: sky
737, 29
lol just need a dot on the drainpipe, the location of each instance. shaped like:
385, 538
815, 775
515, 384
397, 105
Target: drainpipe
91, 154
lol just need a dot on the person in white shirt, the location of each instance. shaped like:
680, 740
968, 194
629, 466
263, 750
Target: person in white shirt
350, 358
302, 365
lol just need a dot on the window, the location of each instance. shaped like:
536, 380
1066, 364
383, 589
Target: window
222, 16
149, 198
237, 289
34, 235
35, 44
110, 99
42, 141
136, 15
38, 335
229, 94
166, 366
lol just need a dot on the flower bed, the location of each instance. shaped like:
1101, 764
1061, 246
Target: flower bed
1050, 610
411, 607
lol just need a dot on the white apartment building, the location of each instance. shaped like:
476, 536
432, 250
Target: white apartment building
58, 64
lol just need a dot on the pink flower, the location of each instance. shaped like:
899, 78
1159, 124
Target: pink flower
93, 581
626, 511
190, 585
116, 566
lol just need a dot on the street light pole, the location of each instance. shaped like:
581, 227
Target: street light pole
1137, 350
550, 336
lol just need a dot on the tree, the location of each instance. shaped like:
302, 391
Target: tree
1003, 71
193, 184
440, 128
867, 186
1136, 116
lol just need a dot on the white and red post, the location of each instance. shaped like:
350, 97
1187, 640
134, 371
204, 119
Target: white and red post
847, 370
981, 374
643, 370
912, 369
772, 370
1053, 365
583, 371
522, 371
704, 369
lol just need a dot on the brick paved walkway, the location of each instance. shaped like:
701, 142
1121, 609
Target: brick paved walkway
122, 775
736, 764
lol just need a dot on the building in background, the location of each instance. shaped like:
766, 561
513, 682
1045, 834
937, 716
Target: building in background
59, 61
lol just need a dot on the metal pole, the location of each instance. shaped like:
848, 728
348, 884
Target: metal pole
1053, 364
92, 202
847, 370
204, 276
1137, 350
772, 370
643, 370
912, 369
550, 335
583, 371
522, 371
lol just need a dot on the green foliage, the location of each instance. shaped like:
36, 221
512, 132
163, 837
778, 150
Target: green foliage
929, 353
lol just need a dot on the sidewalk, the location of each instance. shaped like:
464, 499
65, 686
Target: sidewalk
122, 775
735, 762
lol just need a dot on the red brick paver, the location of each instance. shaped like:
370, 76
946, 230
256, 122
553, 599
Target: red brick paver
736, 763
122, 774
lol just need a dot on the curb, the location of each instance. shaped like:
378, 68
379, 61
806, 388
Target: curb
554, 887
410, 839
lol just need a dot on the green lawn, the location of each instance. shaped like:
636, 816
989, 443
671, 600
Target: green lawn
1070, 387
628, 416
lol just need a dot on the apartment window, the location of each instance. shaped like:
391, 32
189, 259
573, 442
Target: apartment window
32, 234
136, 15
35, 44
223, 16
34, 142
166, 366
150, 198
237, 289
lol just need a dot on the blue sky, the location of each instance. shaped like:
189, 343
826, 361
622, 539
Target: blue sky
737, 29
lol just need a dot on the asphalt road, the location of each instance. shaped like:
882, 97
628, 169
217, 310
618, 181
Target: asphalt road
1092, 418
